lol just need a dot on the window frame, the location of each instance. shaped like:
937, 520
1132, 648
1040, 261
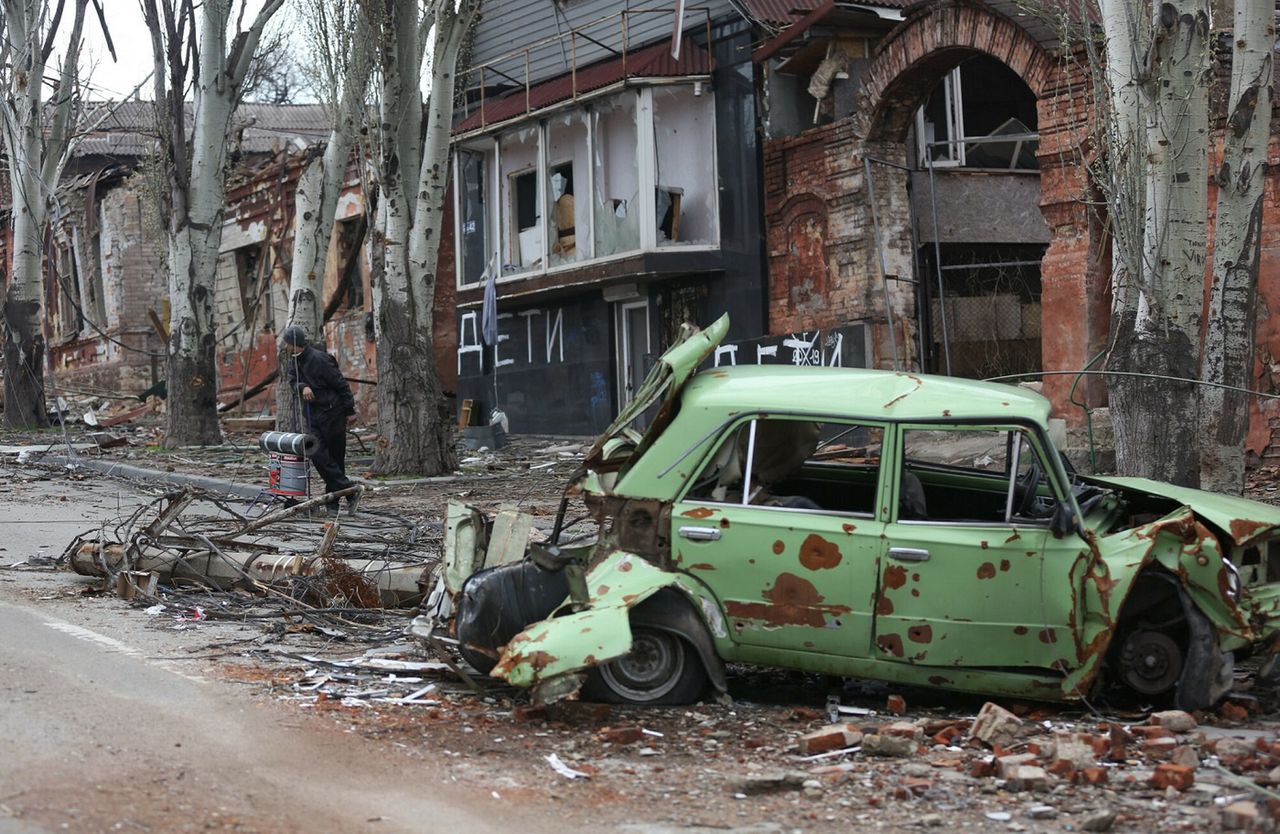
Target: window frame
497, 220
729, 429
1049, 471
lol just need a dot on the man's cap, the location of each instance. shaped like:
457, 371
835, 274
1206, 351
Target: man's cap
295, 336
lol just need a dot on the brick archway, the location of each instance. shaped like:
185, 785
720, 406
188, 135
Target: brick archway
916, 55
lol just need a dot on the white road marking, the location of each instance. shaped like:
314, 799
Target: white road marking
114, 645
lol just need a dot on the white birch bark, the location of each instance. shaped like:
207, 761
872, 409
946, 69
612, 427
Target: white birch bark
1229, 332
37, 153
320, 185
1157, 315
196, 195
413, 418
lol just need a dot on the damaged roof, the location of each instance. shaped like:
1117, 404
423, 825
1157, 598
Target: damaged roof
130, 130
652, 62
860, 392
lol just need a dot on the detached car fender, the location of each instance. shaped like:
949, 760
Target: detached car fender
622, 586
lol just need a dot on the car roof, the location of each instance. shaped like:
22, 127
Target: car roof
859, 392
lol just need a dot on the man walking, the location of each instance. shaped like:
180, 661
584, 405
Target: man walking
327, 405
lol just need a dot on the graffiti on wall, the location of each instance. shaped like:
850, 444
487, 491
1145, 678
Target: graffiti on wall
843, 347
542, 330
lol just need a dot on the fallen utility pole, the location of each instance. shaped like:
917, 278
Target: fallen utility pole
228, 560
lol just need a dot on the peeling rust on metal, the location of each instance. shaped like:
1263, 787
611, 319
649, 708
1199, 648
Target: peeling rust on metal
895, 576
699, 513
986, 570
791, 601
890, 644
920, 634
778, 546
816, 553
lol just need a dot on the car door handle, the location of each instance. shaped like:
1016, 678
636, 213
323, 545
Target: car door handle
700, 534
908, 554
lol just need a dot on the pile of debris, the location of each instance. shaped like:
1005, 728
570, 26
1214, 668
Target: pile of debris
364, 566
1167, 757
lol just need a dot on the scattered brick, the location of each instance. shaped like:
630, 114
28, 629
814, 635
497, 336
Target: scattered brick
995, 725
833, 737
1173, 776
621, 735
1174, 720
525, 713
896, 705
1027, 778
891, 746
1240, 816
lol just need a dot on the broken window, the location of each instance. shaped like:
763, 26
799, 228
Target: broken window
471, 208
617, 176
980, 475
67, 275
981, 115
992, 304
350, 283
523, 247
797, 464
568, 160
685, 171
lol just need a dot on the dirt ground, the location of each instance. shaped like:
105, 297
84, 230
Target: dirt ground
898, 759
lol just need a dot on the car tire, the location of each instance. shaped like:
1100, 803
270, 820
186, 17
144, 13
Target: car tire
662, 668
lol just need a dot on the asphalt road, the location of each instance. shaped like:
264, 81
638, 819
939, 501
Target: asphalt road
99, 733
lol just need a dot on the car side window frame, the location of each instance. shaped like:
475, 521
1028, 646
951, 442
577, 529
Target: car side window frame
1049, 467
730, 430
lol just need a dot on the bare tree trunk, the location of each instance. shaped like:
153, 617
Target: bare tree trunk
320, 184
24, 343
413, 417
1228, 347
1157, 328
197, 182
37, 152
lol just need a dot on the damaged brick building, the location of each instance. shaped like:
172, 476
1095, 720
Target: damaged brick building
107, 290
870, 184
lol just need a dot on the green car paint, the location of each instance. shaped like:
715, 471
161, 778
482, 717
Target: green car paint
563, 644
1018, 608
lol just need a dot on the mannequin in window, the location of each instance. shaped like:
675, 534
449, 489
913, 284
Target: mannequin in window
562, 215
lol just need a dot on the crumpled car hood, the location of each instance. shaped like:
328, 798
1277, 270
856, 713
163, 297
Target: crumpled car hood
1241, 518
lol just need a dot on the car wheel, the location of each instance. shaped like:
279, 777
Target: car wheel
1150, 662
661, 668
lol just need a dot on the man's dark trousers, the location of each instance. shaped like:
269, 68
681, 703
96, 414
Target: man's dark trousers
330, 428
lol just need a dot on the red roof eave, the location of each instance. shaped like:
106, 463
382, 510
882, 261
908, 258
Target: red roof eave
651, 62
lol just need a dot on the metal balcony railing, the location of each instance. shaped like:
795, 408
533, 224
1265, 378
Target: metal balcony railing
611, 34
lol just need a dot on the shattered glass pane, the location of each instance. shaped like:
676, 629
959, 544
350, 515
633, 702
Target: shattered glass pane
568, 159
683, 120
522, 232
617, 185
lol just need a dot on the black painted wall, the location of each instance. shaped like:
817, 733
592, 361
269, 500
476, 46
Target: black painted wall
551, 374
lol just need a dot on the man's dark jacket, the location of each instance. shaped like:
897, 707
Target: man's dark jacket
319, 370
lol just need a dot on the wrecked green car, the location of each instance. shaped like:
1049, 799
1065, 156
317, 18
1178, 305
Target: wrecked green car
913, 529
